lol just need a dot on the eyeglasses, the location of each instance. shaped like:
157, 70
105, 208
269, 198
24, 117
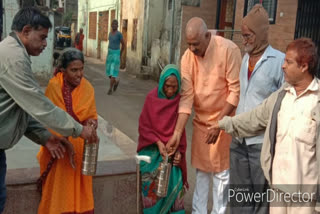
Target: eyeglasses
247, 36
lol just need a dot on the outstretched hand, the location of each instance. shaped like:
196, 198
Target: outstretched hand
213, 133
57, 146
173, 143
54, 146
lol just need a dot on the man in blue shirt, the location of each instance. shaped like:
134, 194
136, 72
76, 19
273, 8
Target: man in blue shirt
260, 75
114, 56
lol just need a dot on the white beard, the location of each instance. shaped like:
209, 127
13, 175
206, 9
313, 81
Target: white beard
248, 48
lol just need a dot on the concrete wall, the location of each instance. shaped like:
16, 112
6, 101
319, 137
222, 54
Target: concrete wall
61, 2
164, 25
195, 3
114, 185
134, 9
207, 11
10, 9
154, 22
282, 32
41, 65
84, 8
167, 48
83, 21
171, 45
160, 37
176, 37
72, 5
114, 191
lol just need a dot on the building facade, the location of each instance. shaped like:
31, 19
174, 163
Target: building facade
132, 27
289, 20
155, 31
282, 15
95, 17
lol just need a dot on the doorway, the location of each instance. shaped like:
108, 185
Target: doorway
1, 19
124, 35
308, 22
225, 17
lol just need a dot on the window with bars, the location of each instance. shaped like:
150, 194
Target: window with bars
269, 5
169, 4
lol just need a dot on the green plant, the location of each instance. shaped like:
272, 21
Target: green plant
67, 18
55, 4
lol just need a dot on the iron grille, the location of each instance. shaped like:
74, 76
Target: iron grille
308, 23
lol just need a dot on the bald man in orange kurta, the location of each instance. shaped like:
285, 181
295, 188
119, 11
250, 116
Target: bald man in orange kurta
210, 84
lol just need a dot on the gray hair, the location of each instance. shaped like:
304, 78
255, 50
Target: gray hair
30, 16
69, 55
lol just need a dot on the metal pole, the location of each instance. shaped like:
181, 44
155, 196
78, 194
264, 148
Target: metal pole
138, 188
172, 30
138, 159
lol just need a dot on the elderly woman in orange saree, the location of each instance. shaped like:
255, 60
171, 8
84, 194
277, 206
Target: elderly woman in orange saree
65, 190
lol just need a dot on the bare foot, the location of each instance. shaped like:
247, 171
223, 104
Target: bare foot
110, 92
116, 85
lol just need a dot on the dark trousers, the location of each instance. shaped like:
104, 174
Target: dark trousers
3, 170
246, 173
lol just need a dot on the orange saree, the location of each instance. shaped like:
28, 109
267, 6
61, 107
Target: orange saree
65, 190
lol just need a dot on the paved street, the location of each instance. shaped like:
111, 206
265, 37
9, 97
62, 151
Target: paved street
122, 109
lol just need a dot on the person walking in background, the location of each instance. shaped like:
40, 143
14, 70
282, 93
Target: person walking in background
66, 190
114, 55
24, 109
156, 126
260, 75
210, 84
79, 40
